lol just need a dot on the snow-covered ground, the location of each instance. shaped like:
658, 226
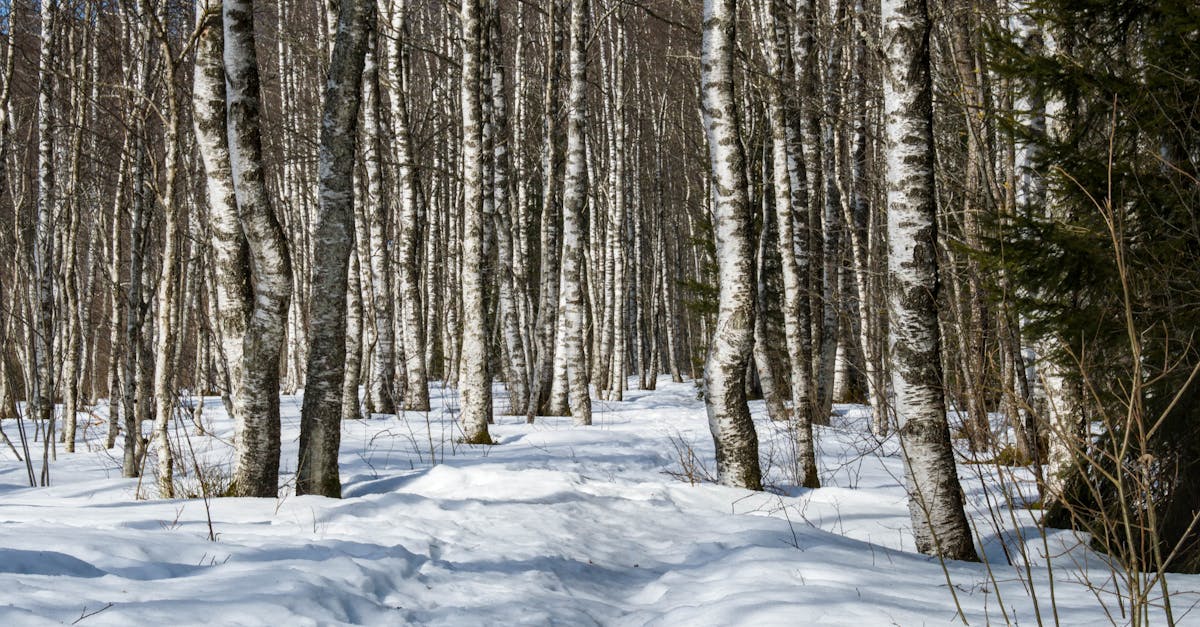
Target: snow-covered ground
555, 525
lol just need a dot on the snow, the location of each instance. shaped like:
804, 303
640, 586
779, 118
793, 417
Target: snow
555, 525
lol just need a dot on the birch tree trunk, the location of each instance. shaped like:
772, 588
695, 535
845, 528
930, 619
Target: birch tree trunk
43, 248
546, 326
574, 205
132, 405
516, 371
117, 302
474, 376
733, 339
936, 499
231, 253
796, 320
166, 317
768, 367
416, 397
381, 385
321, 414
617, 225
355, 336
256, 403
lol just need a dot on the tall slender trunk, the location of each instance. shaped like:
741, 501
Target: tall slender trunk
474, 378
732, 342
515, 369
416, 387
76, 292
784, 184
769, 370
546, 325
381, 385
321, 414
256, 403
617, 230
936, 499
43, 248
574, 204
355, 335
166, 317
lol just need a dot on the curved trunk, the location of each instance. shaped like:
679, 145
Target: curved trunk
256, 401
725, 371
321, 414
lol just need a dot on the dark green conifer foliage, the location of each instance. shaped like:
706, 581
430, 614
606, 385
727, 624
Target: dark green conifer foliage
1122, 157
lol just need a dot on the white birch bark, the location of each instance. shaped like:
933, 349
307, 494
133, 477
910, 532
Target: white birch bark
783, 186
516, 371
474, 376
574, 205
230, 249
43, 247
166, 316
936, 499
416, 397
116, 301
77, 290
355, 336
617, 234
381, 384
767, 367
133, 403
732, 342
256, 403
546, 325
321, 414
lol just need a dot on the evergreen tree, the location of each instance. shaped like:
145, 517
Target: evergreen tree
1105, 254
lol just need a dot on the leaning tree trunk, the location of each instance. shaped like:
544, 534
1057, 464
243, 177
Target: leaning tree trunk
936, 499
256, 403
321, 414
474, 377
733, 339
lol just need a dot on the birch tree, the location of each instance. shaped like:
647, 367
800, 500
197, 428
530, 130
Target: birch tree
784, 182
42, 371
167, 317
321, 414
546, 324
935, 497
416, 395
475, 378
733, 339
256, 402
515, 373
381, 388
574, 201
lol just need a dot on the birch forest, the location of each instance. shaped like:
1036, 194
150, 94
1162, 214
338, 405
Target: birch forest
247, 246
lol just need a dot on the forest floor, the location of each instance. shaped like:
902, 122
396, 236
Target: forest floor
554, 525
